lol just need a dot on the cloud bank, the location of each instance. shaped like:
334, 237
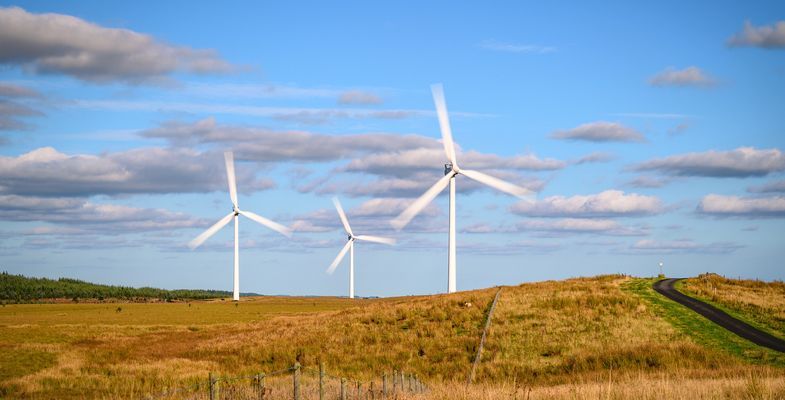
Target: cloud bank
610, 203
62, 44
738, 163
600, 131
767, 37
690, 76
749, 207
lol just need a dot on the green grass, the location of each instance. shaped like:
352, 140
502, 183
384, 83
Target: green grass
16, 362
759, 317
700, 329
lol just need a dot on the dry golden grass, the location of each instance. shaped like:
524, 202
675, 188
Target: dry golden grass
758, 386
553, 337
581, 329
759, 302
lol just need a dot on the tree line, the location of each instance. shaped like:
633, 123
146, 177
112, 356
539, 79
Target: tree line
22, 289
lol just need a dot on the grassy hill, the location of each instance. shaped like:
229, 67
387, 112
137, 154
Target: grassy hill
759, 303
602, 337
21, 289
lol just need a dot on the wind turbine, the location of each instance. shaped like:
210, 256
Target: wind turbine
350, 246
236, 212
451, 169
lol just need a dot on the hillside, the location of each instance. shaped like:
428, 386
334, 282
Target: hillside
759, 303
607, 337
21, 289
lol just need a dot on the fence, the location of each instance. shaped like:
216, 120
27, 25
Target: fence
298, 383
482, 338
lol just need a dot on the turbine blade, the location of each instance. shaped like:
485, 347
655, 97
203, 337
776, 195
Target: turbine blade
444, 122
338, 259
341, 214
266, 222
376, 239
229, 159
498, 184
210, 231
410, 212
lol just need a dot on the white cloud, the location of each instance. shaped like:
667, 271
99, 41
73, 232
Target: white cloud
62, 44
413, 185
260, 144
767, 37
48, 172
359, 97
600, 131
690, 76
516, 47
12, 90
561, 227
82, 216
610, 203
405, 162
596, 157
649, 182
771, 187
370, 217
580, 225
11, 111
733, 206
648, 246
738, 163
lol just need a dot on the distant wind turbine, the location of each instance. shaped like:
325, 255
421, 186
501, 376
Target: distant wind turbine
350, 246
450, 171
236, 212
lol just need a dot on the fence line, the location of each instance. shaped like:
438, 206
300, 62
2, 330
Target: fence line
349, 388
482, 339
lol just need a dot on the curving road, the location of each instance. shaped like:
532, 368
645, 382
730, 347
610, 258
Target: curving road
719, 317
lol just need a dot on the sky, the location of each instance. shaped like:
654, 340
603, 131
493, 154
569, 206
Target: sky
650, 132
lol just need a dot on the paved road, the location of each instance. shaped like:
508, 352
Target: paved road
719, 317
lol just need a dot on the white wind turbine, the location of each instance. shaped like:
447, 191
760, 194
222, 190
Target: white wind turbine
236, 212
450, 171
350, 246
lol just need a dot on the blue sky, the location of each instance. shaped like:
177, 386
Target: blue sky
650, 132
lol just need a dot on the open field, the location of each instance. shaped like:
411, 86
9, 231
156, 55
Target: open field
759, 303
558, 339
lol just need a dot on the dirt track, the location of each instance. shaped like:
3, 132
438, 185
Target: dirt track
719, 317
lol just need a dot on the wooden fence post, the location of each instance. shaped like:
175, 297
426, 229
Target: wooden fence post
395, 381
212, 390
215, 389
403, 388
343, 388
260, 386
296, 381
384, 385
321, 380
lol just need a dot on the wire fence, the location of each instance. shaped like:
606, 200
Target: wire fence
298, 383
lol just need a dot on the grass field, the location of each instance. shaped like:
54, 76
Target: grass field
761, 304
603, 337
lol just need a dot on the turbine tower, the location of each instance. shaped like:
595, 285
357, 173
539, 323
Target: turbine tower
350, 246
236, 212
451, 170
